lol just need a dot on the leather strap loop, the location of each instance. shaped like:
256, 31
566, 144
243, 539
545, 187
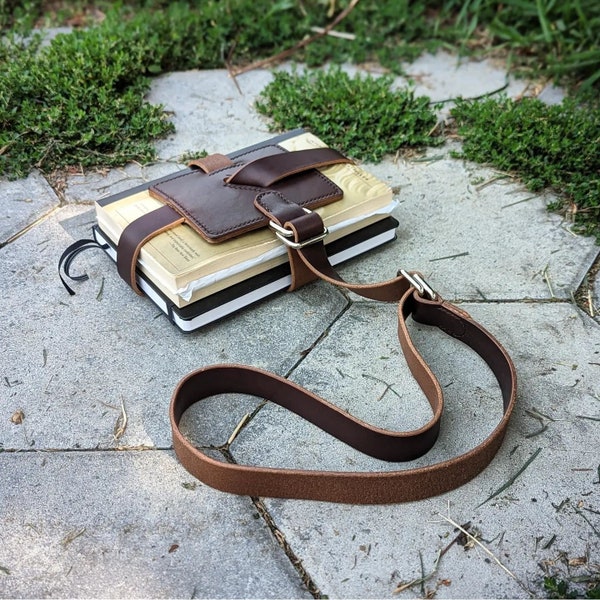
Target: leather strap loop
264, 172
136, 234
352, 487
212, 162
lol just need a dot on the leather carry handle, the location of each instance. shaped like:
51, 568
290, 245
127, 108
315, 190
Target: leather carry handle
264, 172
410, 290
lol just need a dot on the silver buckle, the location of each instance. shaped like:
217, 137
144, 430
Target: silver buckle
285, 234
419, 284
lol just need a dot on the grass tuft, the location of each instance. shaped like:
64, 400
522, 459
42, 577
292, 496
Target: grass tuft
361, 115
545, 146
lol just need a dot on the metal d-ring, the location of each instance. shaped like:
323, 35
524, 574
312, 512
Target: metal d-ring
284, 235
419, 284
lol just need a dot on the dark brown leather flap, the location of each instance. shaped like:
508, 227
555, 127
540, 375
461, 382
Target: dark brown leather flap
220, 204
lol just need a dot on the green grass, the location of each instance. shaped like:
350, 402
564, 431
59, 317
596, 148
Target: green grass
79, 101
361, 115
559, 588
553, 147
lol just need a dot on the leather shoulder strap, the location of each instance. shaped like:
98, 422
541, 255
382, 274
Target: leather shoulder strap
352, 487
415, 299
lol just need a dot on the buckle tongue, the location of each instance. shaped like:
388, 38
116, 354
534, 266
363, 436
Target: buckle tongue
419, 284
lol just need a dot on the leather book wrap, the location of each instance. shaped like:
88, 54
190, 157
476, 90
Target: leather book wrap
216, 198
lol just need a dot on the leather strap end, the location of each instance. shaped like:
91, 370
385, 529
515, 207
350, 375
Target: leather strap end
210, 163
136, 234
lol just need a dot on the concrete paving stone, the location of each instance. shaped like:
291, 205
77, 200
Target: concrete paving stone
444, 76
89, 186
474, 234
85, 521
70, 362
549, 511
209, 111
130, 525
24, 201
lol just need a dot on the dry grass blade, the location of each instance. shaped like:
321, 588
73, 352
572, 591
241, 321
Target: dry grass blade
72, 536
238, 428
409, 584
476, 541
513, 478
121, 424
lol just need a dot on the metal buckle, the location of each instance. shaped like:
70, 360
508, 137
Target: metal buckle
285, 234
419, 284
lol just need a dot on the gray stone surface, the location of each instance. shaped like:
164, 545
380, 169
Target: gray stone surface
91, 508
364, 552
23, 202
100, 525
476, 234
72, 361
210, 111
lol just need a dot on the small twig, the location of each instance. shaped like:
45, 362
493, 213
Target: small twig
231, 71
518, 202
476, 541
343, 35
421, 580
121, 424
587, 521
492, 180
305, 42
449, 257
481, 96
534, 412
546, 277
72, 537
100, 291
388, 386
537, 417
238, 428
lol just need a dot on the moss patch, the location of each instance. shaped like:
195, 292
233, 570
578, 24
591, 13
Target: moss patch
546, 146
361, 115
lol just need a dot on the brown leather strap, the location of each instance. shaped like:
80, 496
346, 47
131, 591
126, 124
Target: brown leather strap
210, 163
136, 234
351, 487
266, 171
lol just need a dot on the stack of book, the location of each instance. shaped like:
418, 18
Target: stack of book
195, 282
